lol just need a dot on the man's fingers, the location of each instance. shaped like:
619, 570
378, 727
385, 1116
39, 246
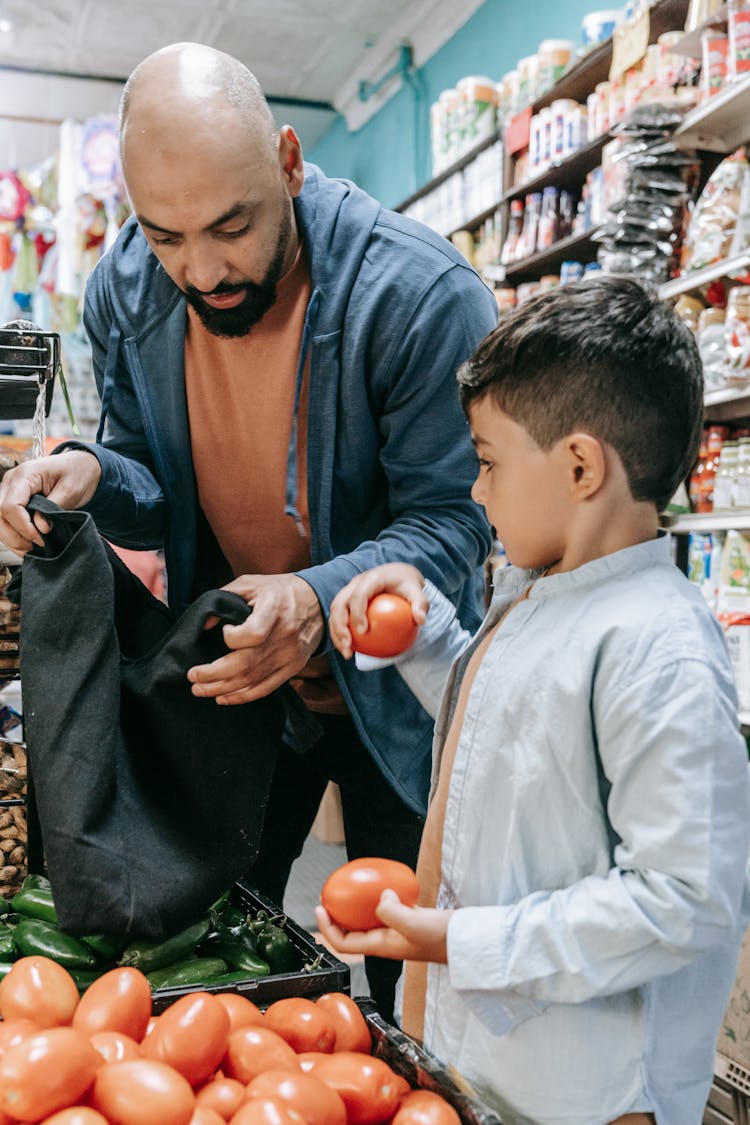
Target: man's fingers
41, 523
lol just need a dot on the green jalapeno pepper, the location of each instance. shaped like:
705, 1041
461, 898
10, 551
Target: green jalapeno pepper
149, 955
35, 902
275, 947
193, 970
237, 953
34, 937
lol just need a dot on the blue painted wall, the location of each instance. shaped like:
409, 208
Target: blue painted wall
382, 156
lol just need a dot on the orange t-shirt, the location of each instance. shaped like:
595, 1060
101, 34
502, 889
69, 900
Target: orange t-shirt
240, 397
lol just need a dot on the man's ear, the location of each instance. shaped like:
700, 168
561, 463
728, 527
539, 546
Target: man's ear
587, 465
290, 160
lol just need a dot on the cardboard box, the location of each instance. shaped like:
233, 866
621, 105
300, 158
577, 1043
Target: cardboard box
734, 1034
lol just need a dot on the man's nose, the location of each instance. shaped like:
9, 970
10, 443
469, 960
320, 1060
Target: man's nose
204, 270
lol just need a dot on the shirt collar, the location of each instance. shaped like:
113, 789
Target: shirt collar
630, 560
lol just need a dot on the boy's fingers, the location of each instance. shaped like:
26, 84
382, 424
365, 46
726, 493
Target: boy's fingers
392, 913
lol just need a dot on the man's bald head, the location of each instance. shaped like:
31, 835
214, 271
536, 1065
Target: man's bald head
184, 86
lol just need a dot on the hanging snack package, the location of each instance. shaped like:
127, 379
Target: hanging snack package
720, 223
736, 628
734, 579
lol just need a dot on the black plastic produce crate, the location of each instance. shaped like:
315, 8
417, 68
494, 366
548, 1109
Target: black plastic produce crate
320, 972
423, 1070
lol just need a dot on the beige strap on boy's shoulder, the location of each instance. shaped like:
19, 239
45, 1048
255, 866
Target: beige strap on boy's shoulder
430, 851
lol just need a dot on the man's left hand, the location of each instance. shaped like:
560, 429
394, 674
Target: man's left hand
274, 644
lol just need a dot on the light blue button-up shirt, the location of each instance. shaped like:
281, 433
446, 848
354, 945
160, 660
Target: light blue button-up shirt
595, 843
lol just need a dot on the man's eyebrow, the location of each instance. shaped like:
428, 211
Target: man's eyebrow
232, 213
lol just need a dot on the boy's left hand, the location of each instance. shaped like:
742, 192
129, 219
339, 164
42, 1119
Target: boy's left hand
409, 933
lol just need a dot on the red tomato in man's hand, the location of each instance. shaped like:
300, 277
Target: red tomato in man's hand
391, 627
351, 893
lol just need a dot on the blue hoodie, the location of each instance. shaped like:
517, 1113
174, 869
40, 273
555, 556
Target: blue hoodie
394, 311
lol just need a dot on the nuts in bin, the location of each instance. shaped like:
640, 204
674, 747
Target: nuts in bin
13, 823
10, 626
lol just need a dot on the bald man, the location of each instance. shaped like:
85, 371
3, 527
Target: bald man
276, 359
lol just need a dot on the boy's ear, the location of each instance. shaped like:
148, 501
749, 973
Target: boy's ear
587, 463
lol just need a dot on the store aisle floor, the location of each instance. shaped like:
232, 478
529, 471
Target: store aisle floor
309, 872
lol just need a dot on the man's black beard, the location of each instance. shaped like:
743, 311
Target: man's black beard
257, 301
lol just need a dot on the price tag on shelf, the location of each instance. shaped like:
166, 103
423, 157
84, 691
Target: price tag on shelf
629, 43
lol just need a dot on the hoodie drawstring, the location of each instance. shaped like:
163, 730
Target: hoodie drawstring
290, 507
110, 367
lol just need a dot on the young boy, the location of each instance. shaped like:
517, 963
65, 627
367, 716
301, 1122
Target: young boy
583, 867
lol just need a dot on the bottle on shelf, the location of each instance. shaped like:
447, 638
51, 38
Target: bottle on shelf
515, 226
527, 240
547, 233
694, 486
725, 484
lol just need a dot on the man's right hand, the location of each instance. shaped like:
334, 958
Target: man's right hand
70, 479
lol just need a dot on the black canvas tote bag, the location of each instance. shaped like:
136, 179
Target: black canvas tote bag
150, 801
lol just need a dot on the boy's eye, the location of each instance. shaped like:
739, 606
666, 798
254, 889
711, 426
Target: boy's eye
170, 240
485, 464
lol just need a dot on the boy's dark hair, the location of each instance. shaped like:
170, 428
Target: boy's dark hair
604, 357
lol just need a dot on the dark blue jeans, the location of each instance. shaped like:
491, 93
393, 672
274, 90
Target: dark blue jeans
376, 822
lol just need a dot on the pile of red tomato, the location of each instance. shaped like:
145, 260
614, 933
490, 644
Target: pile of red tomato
103, 1059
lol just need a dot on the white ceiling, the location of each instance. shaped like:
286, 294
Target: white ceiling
305, 50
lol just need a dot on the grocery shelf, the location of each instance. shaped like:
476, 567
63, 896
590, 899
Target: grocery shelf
581, 78
709, 521
696, 279
720, 123
580, 247
567, 173
727, 405
456, 166
690, 44
477, 220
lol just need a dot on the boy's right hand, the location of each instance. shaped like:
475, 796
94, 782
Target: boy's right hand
349, 607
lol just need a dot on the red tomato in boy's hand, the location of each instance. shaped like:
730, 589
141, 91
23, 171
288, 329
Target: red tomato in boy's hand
391, 627
351, 893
